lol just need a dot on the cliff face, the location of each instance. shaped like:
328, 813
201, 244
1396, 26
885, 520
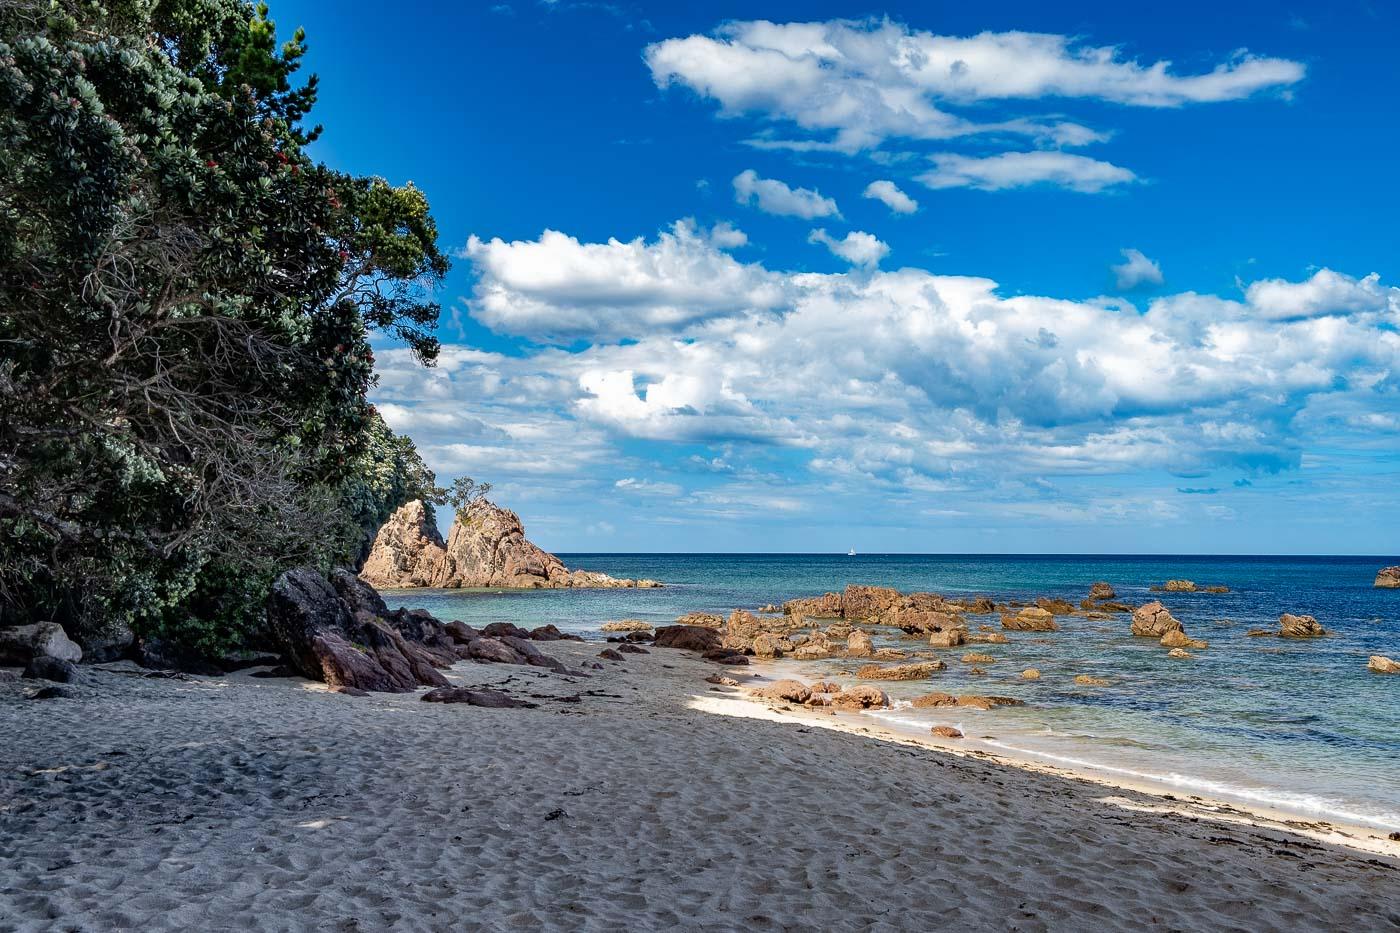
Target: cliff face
486, 547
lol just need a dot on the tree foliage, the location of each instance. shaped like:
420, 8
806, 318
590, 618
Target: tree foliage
186, 301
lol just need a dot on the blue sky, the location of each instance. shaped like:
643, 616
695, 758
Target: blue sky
915, 277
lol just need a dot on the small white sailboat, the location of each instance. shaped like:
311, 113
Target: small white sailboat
851, 552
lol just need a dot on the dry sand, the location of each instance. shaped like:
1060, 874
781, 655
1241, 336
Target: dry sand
254, 804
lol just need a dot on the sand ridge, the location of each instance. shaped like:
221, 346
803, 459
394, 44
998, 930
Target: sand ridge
241, 803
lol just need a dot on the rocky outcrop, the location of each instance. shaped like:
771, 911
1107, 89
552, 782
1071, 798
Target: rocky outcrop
339, 631
407, 551
23, 643
1030, 619
859, 645
1383, 665
946, 639
1291, 626
868, 603
1153, 621
1388, 578
485, 547
1179, 586
1055, 606
817, 607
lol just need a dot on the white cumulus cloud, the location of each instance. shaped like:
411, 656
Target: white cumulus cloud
1135, 270
855, 83
1021, 169
889, 194
857, 247
775, 197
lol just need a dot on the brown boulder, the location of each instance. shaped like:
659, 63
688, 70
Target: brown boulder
972, 657
918, 670
1030, 619
743, 624
933, 701
1179, 586
1057, 607
1153, 621
767, 646
1030, 673
1179, 653
946, 639
1088, 681
859, 645
687, 637
946, 732
986, 638
919, 621
1177, 638
1291, 626
860, 696
1101, 591
792, 691
1388, 578
1383, 665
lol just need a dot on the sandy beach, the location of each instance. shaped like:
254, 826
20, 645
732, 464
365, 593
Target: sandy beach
640, 797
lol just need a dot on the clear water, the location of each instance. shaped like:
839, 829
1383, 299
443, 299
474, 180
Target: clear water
1297, 725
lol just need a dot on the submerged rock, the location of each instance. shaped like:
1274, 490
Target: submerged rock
933, 701
1388, 578
976, 701
1030, 673
627, 625
1153, 621
1179, 586
1088, 681
1179, 653
973, 657
919, 670
1292, 626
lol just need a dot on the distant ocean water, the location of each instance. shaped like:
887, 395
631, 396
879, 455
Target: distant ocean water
1297, 725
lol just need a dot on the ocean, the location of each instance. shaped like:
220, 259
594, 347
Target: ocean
1300, 726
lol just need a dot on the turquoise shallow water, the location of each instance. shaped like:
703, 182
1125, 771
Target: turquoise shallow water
1302, 726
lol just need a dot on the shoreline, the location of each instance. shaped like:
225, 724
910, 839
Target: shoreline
1357, 835
638, 797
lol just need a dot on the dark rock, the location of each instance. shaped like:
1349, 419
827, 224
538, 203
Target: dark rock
56, 669
281, 670
687, 637
632, 649
492, 699
350, 691
461, 632
532, 655
551, 633
497, 629
610, 654
23, 643
733, 660
332, 631
493, 650
52, 693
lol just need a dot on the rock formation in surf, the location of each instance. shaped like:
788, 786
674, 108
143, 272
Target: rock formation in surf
485, 547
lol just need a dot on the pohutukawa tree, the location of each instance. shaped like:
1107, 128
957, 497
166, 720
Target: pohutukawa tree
185, 305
